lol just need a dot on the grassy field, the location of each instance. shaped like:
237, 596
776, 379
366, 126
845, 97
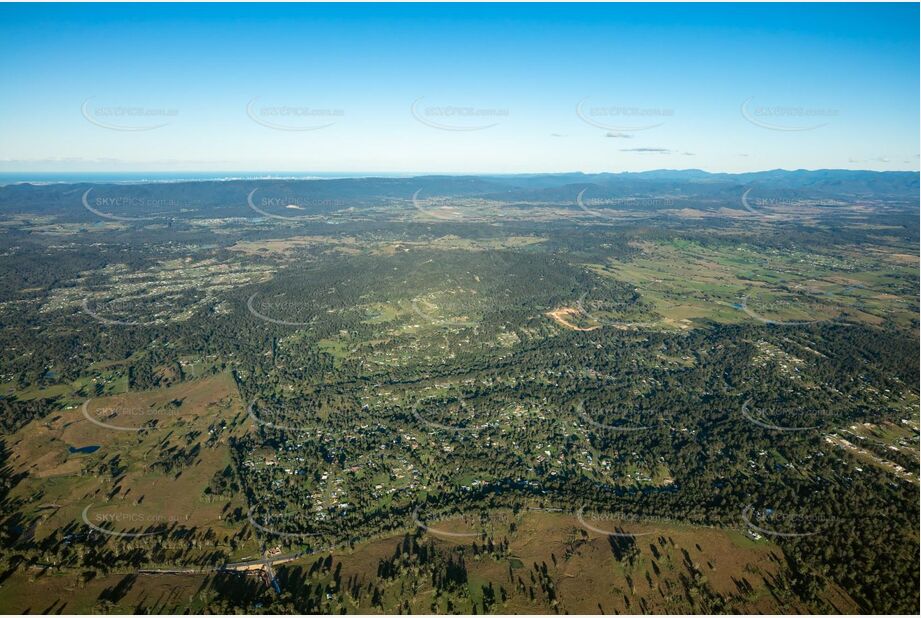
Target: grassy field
687, 281
130, 481
552, 564
676, 569
50, 592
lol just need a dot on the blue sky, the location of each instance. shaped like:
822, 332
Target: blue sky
448, 88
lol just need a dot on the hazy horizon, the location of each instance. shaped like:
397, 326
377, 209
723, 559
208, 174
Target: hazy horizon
47, 177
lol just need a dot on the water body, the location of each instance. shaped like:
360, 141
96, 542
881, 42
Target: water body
10, 178
84, 449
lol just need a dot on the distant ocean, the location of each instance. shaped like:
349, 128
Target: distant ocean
9, 178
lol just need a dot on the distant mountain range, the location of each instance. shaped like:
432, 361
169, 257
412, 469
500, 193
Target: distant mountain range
224, 198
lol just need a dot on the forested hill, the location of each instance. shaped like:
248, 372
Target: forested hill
228, 198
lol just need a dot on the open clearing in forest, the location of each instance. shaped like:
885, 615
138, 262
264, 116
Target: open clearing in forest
590, 571
563, 315
149, 474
